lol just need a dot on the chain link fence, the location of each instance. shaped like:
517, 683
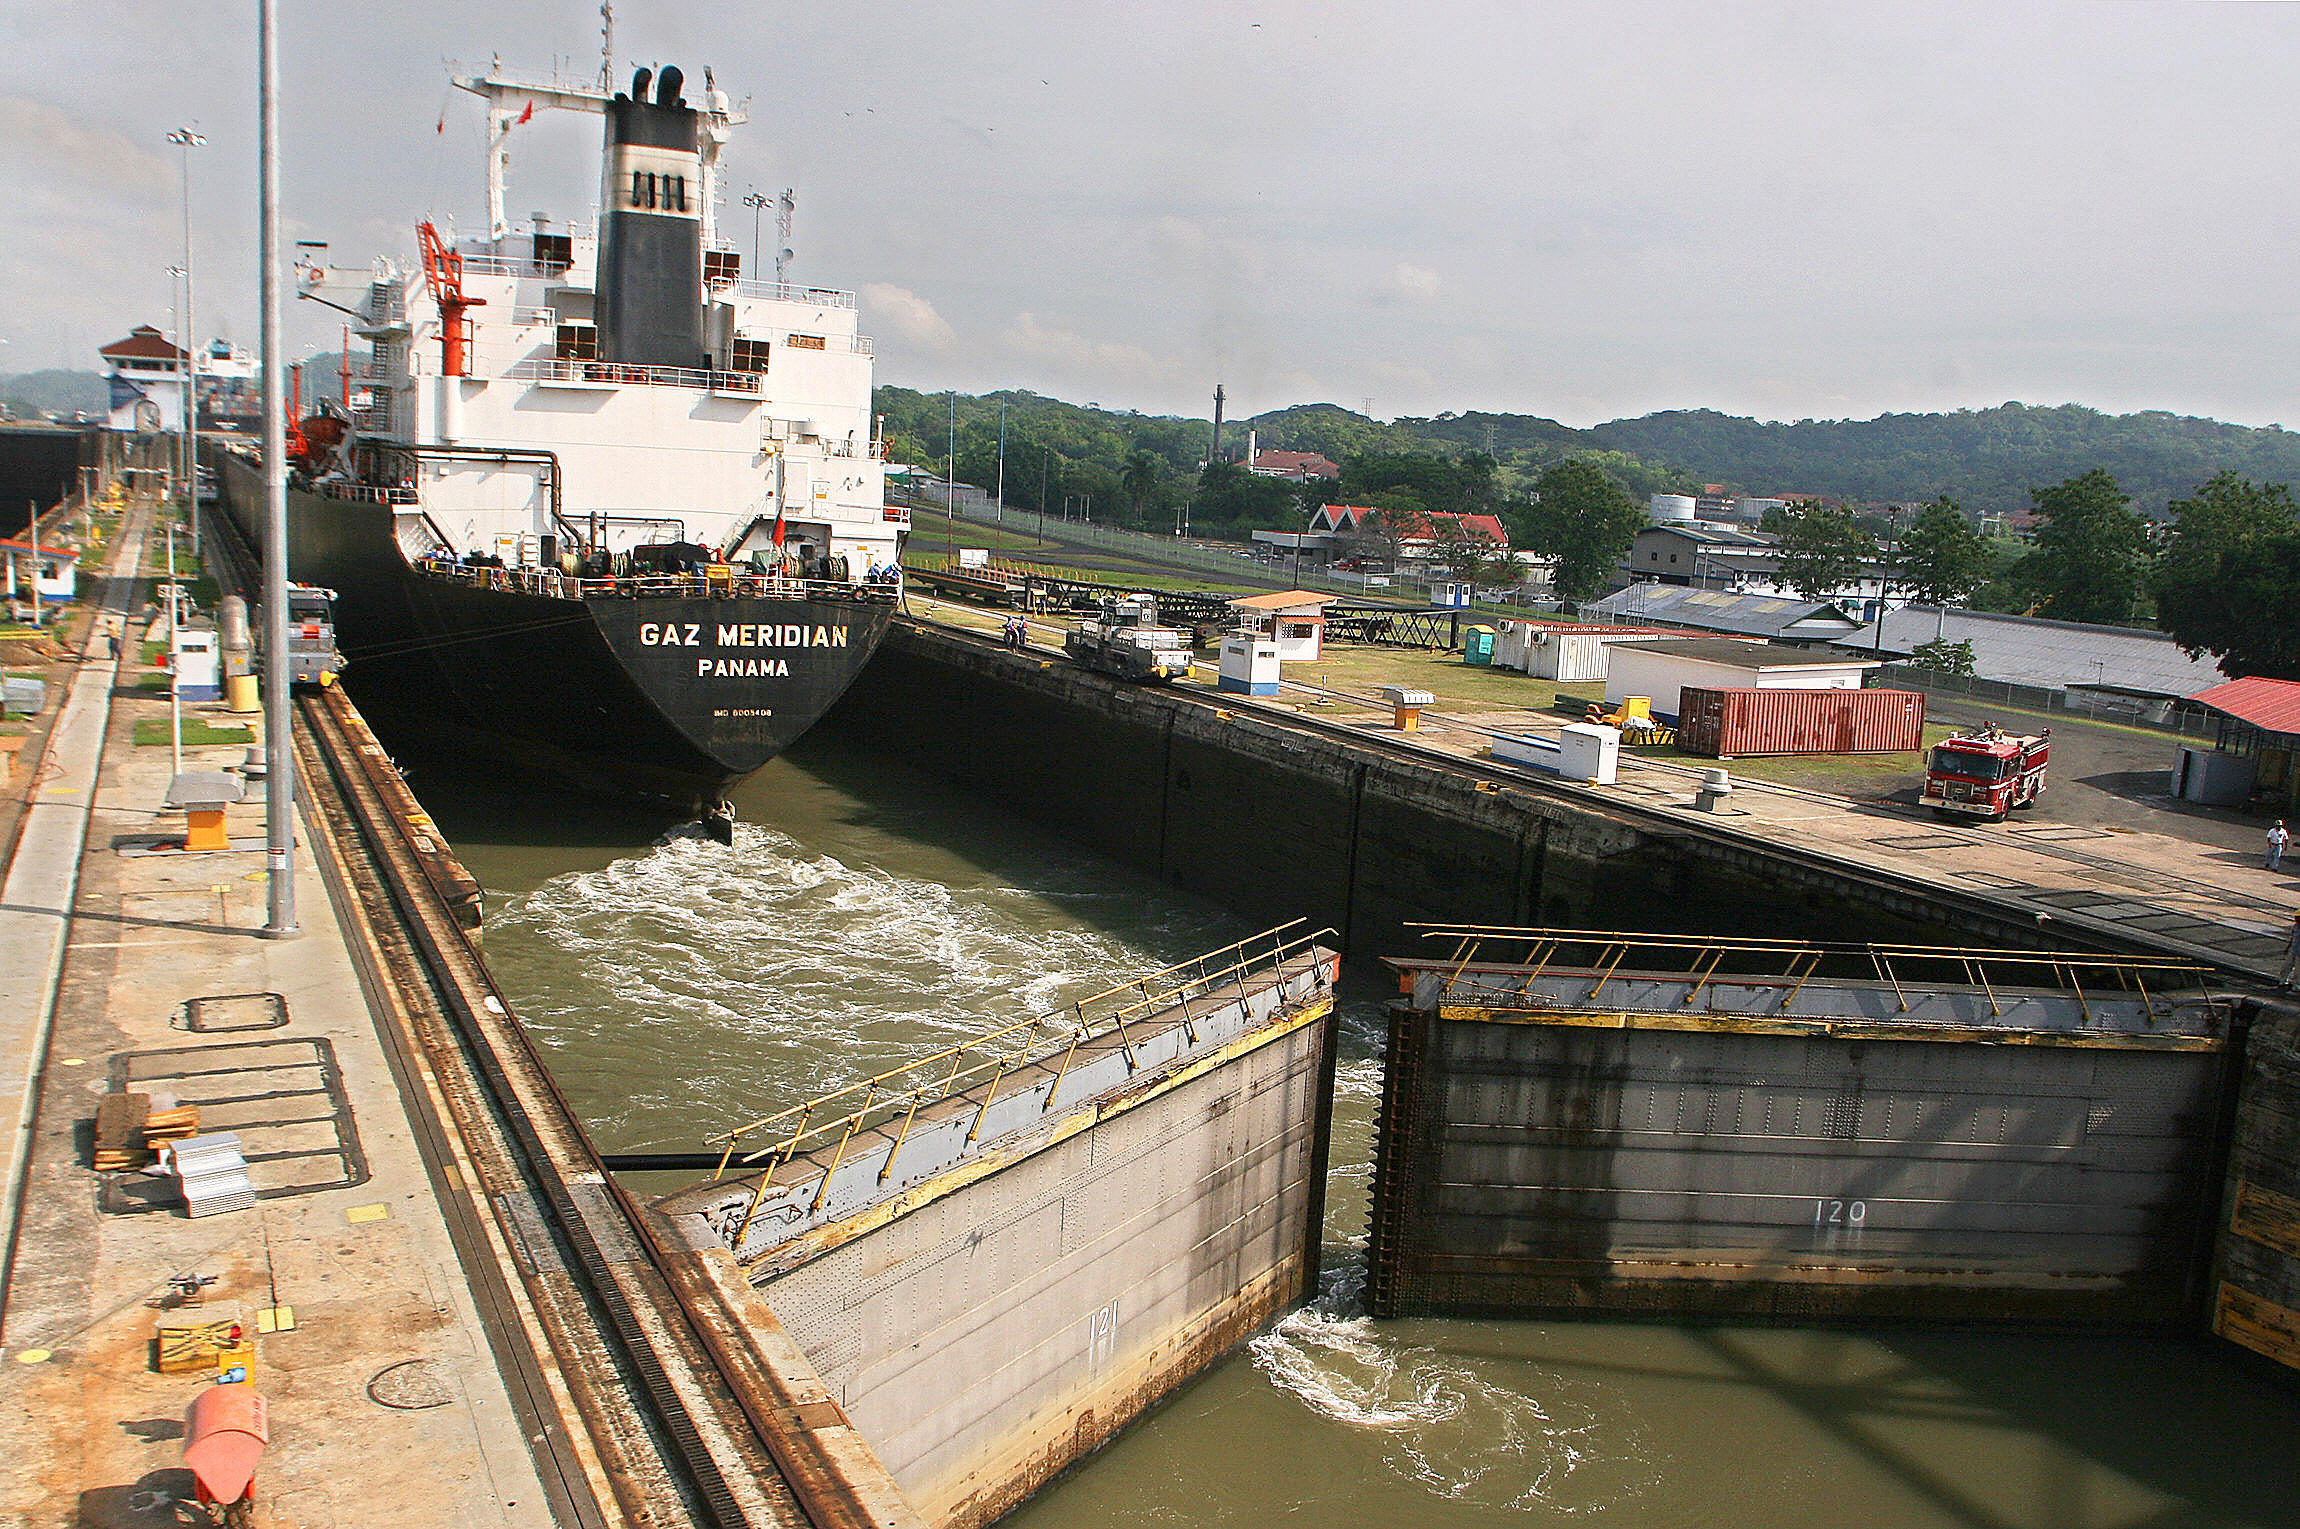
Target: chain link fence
2131, 711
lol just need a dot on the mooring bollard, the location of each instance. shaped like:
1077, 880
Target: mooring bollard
1716, 785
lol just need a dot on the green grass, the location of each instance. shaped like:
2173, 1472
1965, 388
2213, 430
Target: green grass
154, 731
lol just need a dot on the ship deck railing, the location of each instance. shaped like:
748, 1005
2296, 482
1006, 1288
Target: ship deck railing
552, 583
624, 373
368, 493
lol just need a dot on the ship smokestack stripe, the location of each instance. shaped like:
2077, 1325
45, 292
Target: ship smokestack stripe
650, 297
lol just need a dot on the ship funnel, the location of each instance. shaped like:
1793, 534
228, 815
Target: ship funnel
650, 297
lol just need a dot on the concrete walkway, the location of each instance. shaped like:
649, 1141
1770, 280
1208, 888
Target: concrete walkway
44, 872
387, 1405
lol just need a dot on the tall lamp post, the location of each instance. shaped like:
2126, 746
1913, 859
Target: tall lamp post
279, 740
187, 140
998, 505
756, 203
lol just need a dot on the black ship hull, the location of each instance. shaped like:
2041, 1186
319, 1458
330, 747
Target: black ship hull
656, 690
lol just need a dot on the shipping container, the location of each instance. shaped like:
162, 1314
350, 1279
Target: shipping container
1728, 724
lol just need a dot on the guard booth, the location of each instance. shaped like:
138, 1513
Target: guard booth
197, 664
1293, 619
1249, 664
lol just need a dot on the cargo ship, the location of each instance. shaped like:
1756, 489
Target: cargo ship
599, 507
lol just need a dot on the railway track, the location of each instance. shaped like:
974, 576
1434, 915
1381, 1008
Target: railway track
626, 1398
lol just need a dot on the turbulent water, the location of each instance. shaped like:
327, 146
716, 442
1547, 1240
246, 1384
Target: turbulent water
867, 916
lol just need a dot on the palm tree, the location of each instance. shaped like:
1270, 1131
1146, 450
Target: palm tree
1139, 481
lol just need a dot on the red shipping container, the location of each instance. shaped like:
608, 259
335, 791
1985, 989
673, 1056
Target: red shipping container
1726, 724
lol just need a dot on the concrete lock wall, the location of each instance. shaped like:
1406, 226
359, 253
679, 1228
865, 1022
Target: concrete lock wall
2256, 1274
1528, 1169
1279, 824
990, 1336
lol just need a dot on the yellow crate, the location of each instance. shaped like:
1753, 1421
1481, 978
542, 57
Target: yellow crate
188, 1346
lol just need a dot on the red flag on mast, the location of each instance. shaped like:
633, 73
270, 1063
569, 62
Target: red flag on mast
526, 116
778, 522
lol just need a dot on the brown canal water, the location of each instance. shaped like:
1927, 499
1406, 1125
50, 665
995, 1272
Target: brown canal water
868, 914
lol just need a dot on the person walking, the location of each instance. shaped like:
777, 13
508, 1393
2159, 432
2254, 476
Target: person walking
2290, 976
2278, 837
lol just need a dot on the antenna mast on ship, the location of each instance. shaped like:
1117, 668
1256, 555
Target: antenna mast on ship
511, 101
606, 45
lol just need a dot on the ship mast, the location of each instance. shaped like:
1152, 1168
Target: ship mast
509, 99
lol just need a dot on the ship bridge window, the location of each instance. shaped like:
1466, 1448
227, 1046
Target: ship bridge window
748, 355
554, 252
578, 342
804, 341
721, 268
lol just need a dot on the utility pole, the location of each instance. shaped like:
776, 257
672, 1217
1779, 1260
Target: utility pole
279, 741
175, 663
187, 140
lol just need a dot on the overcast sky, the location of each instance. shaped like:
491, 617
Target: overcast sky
1579, 210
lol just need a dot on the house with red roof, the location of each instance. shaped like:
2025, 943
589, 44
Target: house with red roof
2259, 736
1293, 466
146, 374
1418, 534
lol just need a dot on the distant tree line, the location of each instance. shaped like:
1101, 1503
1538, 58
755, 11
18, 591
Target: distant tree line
2219, 570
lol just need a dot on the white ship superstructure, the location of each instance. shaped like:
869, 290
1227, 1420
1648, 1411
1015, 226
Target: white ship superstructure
528, 442
604, 511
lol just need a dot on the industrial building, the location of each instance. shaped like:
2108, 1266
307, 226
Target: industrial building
1725, 613
2051, 655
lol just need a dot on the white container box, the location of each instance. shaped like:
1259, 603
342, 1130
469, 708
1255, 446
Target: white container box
1588, 752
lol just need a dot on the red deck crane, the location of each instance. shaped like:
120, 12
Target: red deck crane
443, 268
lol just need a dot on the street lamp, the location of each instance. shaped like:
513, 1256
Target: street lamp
187, 140
757, 204
279, 740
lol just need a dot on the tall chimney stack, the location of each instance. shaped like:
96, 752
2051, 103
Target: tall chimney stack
650, 303
1215, 454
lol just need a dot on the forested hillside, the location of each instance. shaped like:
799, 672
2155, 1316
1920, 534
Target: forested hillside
1986, 459
29, 394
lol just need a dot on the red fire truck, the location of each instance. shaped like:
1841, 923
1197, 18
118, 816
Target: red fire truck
1985, 773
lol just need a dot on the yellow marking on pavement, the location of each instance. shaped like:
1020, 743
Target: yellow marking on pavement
74, 1061
276, 1319
33, 1356
362, 1213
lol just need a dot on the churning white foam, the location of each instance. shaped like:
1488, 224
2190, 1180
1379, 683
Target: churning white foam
1444, 1421
693, 986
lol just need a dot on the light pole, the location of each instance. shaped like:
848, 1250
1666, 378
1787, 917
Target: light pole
187, 140
279, 739
180, 467
756, 203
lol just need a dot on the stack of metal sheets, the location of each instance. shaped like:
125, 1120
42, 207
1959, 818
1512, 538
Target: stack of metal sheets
213, 1172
